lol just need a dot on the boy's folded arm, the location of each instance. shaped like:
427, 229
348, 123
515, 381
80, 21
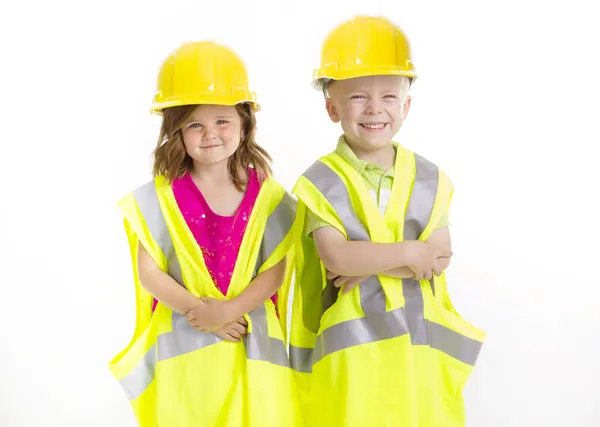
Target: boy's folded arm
441, 239
357, 258
399, 273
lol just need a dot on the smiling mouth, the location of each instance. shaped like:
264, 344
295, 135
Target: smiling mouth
374, 126
208, 147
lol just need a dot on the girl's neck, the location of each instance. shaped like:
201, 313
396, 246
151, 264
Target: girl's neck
217, 174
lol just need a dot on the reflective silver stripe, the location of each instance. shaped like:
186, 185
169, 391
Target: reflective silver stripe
185, 339
418, 212
364, 330
422, 198
278, 225
454, 344
301, 359
260, 345
182, 339
378, 324
372, 298
331, 186
147, 200
138, 380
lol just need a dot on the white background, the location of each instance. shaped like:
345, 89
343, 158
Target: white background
506, 103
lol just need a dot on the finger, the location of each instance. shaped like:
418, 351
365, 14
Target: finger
357, 280
331, 275
437, 271
427, 275
202, 328
235, 334
443, 253
348, 288
415, 272
243, 321
340, 281
240, 329
228, 337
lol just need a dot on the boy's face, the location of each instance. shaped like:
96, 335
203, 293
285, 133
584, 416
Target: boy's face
370, 109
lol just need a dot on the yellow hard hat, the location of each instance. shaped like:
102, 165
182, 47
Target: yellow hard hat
364, 46
203, 72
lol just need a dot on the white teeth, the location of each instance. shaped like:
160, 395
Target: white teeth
373, 126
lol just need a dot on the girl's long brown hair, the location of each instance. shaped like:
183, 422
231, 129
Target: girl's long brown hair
172, 161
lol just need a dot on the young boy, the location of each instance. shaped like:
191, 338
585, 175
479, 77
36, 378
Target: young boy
375, 340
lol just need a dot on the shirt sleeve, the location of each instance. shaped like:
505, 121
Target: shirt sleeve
443, 222
313, 223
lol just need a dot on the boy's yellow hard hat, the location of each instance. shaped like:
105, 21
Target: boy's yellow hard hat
364, 46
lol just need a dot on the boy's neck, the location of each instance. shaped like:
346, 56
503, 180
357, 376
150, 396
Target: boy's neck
384, 157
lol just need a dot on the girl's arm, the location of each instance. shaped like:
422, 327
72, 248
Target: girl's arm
263, 287
162, 286
214, 313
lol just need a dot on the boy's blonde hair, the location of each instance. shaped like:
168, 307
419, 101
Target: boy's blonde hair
326, 83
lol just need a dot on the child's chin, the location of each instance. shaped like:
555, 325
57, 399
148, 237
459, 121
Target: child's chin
377, 141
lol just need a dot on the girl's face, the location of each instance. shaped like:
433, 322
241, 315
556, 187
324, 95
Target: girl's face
212, 134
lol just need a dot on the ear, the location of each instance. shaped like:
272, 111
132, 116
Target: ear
332, 111
406, 106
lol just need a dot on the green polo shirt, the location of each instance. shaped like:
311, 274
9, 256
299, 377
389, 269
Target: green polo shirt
379, 183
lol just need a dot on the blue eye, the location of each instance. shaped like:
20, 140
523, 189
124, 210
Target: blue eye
195, 125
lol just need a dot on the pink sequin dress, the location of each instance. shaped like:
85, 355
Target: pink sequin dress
219, 237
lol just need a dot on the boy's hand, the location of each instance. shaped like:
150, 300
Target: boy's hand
349, 282
424, 259
209, 315
233, 331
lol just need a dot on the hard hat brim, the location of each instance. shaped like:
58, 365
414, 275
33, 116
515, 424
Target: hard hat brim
159, 106
321, 78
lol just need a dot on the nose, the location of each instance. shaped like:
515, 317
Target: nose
209, 133
373, 106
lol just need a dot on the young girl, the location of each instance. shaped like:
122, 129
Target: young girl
211, 242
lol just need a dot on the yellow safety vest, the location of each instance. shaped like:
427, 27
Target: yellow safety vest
175, 376
391, 352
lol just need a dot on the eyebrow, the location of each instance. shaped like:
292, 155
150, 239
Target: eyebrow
387, 89
194, 119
